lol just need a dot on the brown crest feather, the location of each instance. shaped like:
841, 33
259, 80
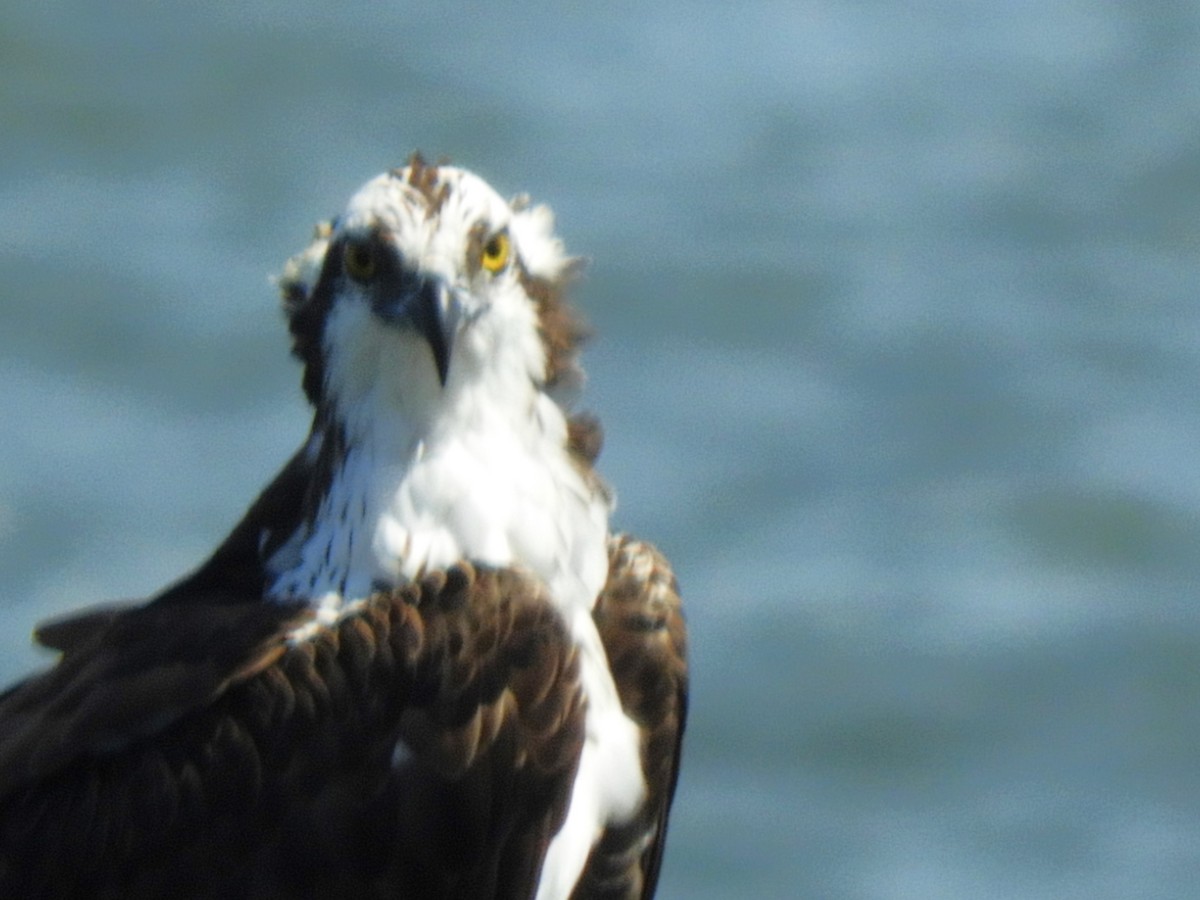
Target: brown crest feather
424, 178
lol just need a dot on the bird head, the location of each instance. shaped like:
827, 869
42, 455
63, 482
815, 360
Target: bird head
427, 286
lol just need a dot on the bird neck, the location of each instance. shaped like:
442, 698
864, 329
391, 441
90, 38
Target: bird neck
480, 475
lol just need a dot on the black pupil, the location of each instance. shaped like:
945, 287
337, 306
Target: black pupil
493, 247
360, 259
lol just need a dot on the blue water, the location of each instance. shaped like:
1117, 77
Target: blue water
897, 351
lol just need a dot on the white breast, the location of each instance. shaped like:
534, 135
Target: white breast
487, 495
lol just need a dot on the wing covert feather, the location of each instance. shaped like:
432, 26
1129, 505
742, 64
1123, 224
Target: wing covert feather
424, 744
640, 618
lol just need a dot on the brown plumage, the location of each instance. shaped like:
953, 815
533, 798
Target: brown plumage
187, 749
640, 618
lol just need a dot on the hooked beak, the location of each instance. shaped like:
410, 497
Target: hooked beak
423, 303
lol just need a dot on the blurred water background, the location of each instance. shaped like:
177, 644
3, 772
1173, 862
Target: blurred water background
897, 351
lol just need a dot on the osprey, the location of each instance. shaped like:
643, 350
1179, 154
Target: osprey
420, 665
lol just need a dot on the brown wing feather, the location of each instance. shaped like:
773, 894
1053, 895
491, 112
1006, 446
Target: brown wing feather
640, 618
127, 673
422, 747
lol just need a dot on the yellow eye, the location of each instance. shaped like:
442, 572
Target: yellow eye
358, 259
495, 252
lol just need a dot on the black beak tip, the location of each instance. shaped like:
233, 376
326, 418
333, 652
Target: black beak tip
441, 355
